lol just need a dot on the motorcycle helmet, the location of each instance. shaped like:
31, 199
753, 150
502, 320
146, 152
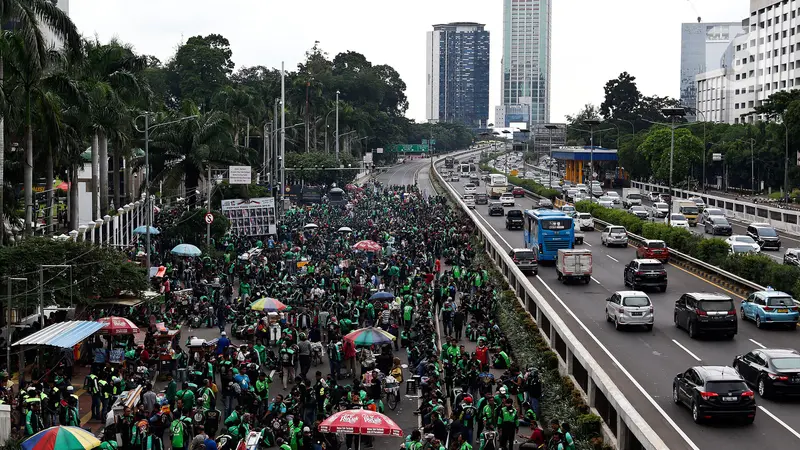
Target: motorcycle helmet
503, 390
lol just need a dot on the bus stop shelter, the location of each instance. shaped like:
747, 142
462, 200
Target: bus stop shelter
577, 160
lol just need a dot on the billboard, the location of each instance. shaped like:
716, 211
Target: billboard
254, 217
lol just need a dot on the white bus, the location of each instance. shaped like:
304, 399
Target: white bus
464, 169
497, 186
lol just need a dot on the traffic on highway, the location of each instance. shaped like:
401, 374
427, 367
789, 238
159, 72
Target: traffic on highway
694, 350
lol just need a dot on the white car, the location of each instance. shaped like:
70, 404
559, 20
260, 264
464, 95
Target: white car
584, 221
630, 308
469, 200
454, 178
507, 199
741, 240
614, 235
469, 188
660, 209
653, 196
677, 220
606, 202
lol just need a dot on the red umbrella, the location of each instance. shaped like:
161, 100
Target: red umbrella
360, 421
367, 246
117, 325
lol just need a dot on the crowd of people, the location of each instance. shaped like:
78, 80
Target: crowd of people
280, 373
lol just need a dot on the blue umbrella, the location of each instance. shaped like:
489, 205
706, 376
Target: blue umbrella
186, 250
382, 296
143, 230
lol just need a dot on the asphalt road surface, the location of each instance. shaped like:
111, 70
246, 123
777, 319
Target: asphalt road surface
643, 364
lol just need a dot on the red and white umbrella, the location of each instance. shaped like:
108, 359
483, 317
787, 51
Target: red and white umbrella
367, 246
360, 421
117, 325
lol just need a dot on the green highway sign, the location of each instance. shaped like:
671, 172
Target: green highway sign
431, 142
410, 148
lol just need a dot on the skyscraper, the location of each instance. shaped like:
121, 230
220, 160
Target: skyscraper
526, 62
703, 47
457, 62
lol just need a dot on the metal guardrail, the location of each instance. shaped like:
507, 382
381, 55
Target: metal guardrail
574, 358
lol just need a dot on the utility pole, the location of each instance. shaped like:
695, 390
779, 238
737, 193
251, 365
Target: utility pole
337, 126
672, 113
283, 136
752, 166
10, 281
147, 190
274, 165
786, 167
592, 123
551, 127
208, 225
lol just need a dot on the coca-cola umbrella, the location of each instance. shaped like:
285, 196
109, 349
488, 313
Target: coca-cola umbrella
117, 325
367, 246
361, 421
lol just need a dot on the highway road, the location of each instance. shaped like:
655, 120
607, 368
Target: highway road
646, 362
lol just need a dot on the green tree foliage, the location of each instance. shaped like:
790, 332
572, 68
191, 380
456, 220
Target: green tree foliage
656, 149
98, 271
191, 228
622, 98
315, 167
201, 68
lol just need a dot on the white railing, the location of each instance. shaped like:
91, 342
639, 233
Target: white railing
575, 360
116, 230
781, 219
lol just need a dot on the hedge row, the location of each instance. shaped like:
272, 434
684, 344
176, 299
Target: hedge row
524, 183
561, 399
758, 268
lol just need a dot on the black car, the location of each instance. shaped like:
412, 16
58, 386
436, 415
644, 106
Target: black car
704, 312
496, 208
765, 235
642, 273
514, 219
773, 371
713, 392
481, 199
717, 225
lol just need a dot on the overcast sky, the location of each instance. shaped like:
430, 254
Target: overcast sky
593, 40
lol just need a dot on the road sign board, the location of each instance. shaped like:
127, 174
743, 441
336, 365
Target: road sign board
433, 141
424, 142
410, 148
209, 218
240, 175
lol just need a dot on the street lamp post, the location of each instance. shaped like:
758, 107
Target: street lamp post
550, 127
672, 113
592, 123
327, 131
337, 126
786, 167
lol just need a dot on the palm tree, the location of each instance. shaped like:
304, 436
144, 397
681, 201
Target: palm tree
184, 148
27, 16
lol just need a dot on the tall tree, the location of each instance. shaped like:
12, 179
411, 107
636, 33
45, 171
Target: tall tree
656, 148
201, 67
621, 98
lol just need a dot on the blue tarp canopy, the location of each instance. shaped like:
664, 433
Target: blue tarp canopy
64, 334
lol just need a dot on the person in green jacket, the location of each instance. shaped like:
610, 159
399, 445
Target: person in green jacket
282, 444
187, 396
295, 433
501, 360
172, 389
33, 420
462, 444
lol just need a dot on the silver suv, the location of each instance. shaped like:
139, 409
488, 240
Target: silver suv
614, 235
525, 259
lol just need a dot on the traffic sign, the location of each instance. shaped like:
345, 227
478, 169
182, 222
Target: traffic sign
209, 218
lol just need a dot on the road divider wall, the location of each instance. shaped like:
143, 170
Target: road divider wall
628, 428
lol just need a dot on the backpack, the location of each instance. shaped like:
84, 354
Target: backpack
176, 430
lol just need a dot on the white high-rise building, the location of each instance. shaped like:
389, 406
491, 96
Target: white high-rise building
762, 60
525, 80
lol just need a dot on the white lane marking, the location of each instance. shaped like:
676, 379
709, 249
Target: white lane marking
622, 368
587, 243
686, 350
496, 233
612, 258
780, 422
595, 280
758, 344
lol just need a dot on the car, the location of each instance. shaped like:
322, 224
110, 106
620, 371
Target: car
653, 196
792, 257
677, 220
708, 212
469, 200
475, 179
628, 308
496, 209
765, 235
571, 194
642, 273
518, 192
567, 209
584, 220
699, 202
507, 199
639, 211
614, 235
454, 178
738, 249
597, 190
770, 307
615, 197
514, 219
773, 371
715, 225
526, 259
659, 210
544, 203
743, 241
653, 249
664, 198
481, 199
706, 313
713, 392
470, 188
605, 202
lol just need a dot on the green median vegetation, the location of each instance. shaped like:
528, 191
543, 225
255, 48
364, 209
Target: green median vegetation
530, 185
758, 268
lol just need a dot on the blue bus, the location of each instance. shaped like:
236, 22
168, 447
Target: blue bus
546, 231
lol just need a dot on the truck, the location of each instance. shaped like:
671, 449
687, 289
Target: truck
631, 197
574, 265
689, 209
